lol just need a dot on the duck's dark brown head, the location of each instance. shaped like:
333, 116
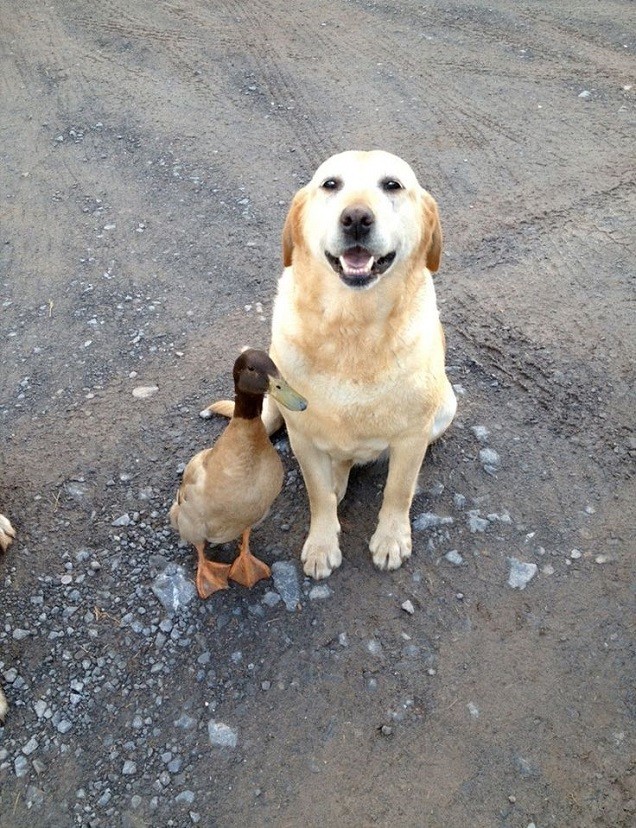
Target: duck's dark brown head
255, 375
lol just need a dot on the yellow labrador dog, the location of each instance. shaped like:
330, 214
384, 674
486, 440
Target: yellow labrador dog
356, 331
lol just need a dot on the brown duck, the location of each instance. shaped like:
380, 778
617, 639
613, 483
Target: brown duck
229, 488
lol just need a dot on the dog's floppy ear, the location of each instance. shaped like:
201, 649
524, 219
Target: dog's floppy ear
431, 232
292, 232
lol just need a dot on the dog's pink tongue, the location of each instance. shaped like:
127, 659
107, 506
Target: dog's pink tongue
356, 260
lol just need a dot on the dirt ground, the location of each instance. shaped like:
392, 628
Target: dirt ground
149, 151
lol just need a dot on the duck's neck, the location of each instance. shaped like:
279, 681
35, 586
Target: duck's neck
248, 406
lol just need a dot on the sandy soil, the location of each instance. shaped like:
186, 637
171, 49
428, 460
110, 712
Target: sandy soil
149, 151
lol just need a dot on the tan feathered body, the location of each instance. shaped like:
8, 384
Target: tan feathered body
229, 487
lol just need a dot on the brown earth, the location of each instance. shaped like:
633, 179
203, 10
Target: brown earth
149, 151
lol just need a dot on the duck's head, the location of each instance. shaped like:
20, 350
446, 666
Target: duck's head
255, 374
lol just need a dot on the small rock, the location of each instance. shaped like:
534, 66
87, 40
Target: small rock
129, 768
454, 557
520, 573
174, 589
489, 457
476, 523
386, 730
286, 582
575, 554
221, 734
602, 559
31, 746
585, 95
481, 433
429, 520
319, 592
407, 606
473, 710
185, 798
21, 766
64, 726
271, 598
143, 392
18, 635
123, 520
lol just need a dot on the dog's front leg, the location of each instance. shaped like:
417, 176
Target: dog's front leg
321, 552
391, 542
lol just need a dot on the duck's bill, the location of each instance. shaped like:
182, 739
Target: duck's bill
284, 394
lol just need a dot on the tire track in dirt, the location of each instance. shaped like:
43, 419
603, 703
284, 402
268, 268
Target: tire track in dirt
266, 60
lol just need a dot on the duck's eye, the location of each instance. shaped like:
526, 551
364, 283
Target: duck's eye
331, 184
390, 184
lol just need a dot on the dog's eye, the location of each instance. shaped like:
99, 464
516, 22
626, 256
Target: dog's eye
331, 184
390, 184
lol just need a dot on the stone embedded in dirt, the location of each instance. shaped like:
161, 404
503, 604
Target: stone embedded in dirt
143, 392
454, 557
429, 520
520, 573
476, 523
489, 457
481, 433
129, 768
173, 588
408, 607
123, 520
286, 582
221, 734
319, 592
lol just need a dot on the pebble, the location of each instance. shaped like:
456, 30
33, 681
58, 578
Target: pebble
185, 798
476, 523
143, 392
473, 710
454, 557
320, 592
520, 573
21, 766
64, 726
585, 94
286, 581
129, 768
31, 746
221, 734
174, 589
271, 598
408, 607
575, 554
481, 433
122, 520
429, 520
489, 458
602, 559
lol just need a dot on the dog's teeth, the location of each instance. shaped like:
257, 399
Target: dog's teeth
349, 270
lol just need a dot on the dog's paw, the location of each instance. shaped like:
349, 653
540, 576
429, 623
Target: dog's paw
7, 533
391, 545
321, 557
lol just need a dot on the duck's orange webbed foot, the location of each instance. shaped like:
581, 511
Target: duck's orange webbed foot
211, 576
246, 569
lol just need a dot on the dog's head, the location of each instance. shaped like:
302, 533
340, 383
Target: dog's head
363, 215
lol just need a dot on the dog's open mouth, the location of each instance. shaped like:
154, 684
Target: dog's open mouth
357, 267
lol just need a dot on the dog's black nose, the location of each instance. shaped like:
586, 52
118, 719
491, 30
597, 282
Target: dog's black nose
356, 221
